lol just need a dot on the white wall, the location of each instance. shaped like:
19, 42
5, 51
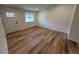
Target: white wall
57, 18
10, 23
3, 41
74, 32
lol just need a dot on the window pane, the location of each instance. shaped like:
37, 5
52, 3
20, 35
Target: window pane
29, 17
27, 20
9, 14
26, 16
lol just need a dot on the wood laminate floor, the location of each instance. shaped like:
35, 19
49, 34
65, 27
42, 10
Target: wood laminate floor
37, 40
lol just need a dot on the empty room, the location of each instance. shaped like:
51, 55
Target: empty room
39, 29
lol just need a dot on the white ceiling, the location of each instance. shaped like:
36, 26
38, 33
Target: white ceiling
33, 7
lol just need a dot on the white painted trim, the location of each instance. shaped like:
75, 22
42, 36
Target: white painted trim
3, 40
71, 20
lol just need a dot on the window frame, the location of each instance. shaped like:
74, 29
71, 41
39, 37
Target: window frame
9, 14
29, 16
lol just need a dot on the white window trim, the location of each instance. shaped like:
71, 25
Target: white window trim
28, 17
10, 14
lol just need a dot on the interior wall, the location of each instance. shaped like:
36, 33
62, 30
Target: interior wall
57, 17
19, 17
3, 41
74, 32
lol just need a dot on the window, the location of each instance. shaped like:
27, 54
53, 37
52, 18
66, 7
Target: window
9, 14
29, 17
